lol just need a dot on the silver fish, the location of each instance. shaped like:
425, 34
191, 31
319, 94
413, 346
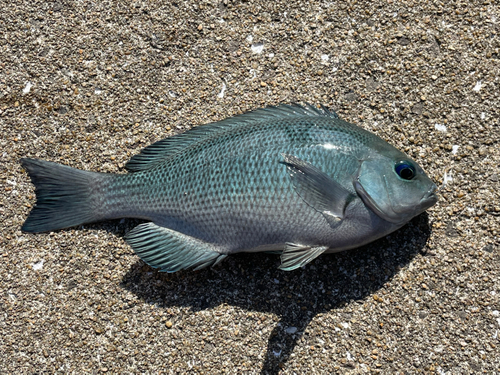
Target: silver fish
290, 179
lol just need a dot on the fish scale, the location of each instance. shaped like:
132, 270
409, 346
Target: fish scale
293, 179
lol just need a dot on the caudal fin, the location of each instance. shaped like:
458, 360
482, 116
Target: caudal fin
64, 196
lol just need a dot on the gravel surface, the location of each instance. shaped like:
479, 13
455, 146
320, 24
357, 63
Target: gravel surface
89, 84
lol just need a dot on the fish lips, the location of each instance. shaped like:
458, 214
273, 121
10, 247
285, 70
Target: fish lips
429, 200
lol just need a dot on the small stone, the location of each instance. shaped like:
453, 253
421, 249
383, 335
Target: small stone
351, 96
423, 314
451, 230
404, 41
168, 324
489, 248
418, 108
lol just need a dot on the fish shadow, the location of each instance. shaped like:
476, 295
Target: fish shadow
253, 282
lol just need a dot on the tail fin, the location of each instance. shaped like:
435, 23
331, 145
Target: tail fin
64, 196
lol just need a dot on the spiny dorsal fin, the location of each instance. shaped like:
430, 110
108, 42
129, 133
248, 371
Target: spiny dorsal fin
159, 151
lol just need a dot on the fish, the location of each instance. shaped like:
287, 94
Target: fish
289, 179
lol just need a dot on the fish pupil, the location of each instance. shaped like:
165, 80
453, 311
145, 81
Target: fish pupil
405, 171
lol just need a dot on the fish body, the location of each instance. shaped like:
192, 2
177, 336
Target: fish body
291, 179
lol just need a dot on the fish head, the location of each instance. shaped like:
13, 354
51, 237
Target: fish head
394, 187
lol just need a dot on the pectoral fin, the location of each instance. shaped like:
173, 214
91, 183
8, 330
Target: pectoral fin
318, 189
171, 251
295, 256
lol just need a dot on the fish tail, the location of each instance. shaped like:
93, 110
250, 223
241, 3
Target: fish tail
65, 196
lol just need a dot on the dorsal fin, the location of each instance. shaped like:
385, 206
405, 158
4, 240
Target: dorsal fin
159, 151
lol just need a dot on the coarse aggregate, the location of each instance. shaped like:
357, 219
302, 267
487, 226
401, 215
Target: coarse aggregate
90, 83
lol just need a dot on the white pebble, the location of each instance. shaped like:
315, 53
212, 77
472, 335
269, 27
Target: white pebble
220, 95
257, 47
454, 149
447, 178
440, 127
27, 88
38, 266
478, 86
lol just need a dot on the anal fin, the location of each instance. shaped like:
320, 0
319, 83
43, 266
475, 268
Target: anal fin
171, 251
295, 256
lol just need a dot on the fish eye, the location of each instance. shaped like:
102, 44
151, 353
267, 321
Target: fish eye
405, 170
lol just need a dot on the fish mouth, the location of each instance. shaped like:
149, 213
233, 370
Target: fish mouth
429, 199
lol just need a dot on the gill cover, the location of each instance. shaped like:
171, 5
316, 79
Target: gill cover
387, 188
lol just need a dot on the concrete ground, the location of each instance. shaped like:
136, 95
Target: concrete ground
89, 84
